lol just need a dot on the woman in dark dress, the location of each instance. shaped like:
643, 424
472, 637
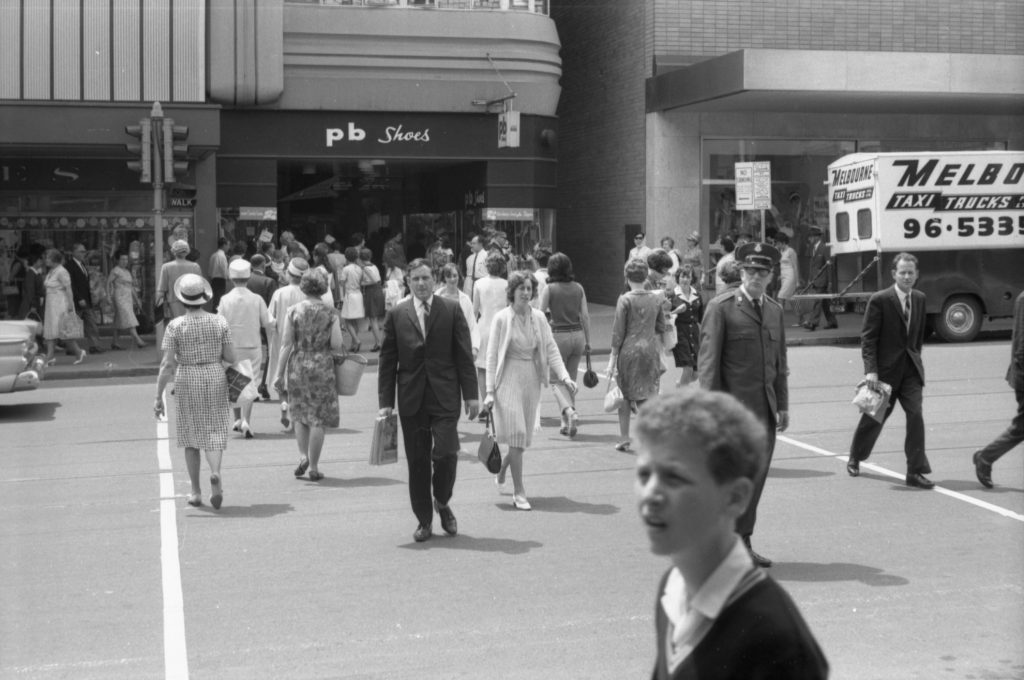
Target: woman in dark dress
688, 308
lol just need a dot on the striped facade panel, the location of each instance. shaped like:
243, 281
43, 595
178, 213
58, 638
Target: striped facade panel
126, 36
96, 51
10, 49
67, 48
103, 50
156, 51
246, 54
36, 65
188, 49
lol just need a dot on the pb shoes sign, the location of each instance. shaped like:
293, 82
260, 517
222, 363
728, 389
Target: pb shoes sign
392, 134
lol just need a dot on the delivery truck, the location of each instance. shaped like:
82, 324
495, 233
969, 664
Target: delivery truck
960, 213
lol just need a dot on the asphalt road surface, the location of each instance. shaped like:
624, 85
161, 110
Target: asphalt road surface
105, 572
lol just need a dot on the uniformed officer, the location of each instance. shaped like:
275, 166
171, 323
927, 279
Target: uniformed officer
743, 352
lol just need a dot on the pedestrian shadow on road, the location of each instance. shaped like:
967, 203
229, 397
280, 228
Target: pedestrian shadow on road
256, 511
347, 482
565, 505
26, 413
508, 546
796, 473
963, 485
834, 571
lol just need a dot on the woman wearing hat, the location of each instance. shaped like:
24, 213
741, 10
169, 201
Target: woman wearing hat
194, 346
170, 272
283, 298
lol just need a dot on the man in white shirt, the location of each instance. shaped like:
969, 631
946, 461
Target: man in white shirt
476, 265
246, 313
640, 250
713, 590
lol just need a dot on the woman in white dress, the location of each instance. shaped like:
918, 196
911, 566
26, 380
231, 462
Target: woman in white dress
788, 272
488, 299
121, 289
60, 302
521, 353
351, 283
451, 289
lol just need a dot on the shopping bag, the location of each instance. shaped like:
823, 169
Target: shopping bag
249, 393
348, 371
613, 397
873, 402
71, 326
384, 446
236, 383
669, 336
489, 453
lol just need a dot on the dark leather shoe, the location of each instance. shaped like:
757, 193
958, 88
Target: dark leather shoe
983, 470
448, 523
96, 350
920, 481
831, 326
264, 394
422, 533
810, 327
759, 560
853, 467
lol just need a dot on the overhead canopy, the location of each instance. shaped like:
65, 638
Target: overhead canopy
824, 81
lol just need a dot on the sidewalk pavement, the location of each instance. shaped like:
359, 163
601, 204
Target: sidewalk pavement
146, 361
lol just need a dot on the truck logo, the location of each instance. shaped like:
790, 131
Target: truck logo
915, 174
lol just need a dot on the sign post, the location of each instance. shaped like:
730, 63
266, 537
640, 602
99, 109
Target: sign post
754, 188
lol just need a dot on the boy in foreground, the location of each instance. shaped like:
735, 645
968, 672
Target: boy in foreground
718, 616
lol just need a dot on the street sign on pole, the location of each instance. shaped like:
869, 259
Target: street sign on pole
753, 185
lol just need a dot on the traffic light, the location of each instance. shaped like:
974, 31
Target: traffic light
142, 149
175, 152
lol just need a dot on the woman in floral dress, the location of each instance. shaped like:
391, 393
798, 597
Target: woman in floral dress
312, 334
194, 346
635, 360
121, 287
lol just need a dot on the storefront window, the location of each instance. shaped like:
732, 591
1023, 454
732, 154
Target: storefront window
105, 225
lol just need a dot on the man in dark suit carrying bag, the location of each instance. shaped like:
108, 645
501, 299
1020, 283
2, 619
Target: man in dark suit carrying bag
427, 354
890, 345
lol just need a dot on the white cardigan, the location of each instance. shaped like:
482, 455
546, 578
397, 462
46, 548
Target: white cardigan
545, 357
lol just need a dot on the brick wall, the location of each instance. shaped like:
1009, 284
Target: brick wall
713, 27
601, 163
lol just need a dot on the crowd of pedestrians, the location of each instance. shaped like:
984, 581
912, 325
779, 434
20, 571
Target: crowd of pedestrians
485, 334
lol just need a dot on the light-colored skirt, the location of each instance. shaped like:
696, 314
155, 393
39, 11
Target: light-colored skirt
516, 403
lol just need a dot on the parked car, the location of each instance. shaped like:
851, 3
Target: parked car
21, 365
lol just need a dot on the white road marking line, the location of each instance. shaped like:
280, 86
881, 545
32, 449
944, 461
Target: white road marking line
895, 475
175, 653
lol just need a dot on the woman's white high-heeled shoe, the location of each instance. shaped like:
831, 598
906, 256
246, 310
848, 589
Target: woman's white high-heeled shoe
520, 502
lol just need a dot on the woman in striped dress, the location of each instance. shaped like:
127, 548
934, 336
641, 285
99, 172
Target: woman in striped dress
194, 346
520, 354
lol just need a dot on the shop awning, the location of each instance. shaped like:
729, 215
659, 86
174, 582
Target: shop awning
823, 81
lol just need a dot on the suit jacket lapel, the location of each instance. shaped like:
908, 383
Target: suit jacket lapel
414, 317
747, 307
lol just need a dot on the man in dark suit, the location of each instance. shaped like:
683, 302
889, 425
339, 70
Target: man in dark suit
264, 286
83, 298
890, 345
743, 352
1014, 434
428, 354
819, 281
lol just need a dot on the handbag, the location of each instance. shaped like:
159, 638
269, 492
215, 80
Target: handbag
348, 371
590, 377
613, 397
71, 326
236, 383
489, 453
384, 446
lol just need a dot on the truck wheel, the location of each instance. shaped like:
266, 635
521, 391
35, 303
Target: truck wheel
960, 319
